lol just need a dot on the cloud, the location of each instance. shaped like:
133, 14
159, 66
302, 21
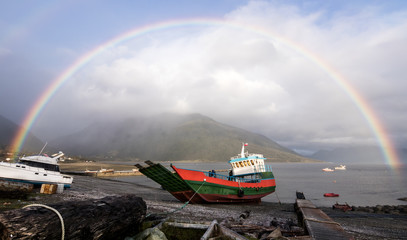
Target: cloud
252, 81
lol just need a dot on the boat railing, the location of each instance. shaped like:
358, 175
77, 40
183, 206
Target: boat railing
230, 178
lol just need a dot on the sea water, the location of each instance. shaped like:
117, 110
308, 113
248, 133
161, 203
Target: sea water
358, 185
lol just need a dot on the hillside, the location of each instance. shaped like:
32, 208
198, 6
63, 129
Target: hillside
170, 137
8, 129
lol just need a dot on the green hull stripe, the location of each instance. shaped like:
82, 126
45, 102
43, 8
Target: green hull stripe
211, 188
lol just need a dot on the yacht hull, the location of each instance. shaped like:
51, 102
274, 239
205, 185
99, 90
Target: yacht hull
37, 176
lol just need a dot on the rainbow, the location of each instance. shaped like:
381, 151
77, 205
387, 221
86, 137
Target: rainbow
373, 121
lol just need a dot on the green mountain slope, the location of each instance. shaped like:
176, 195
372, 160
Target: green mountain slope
171, 137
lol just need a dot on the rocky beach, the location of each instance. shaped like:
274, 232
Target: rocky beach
376, 222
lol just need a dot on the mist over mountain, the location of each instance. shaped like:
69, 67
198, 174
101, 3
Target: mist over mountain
8, 129
170, 137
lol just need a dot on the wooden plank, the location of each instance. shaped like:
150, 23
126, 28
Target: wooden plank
231, 234
303, 203
48, 188
209, 232
10, 189
318, 224
187, 225
15, 186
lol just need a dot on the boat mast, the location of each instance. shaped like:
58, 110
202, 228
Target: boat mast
43, 148
242, 153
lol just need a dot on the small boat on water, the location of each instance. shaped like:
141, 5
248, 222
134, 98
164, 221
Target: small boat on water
37, 170
91, 171
327, 170
248, 180
331, 195
341, 167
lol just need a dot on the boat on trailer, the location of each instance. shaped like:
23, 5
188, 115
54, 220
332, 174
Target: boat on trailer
248, 180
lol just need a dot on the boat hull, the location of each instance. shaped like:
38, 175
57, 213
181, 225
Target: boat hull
206, 189
37, 176
331, 195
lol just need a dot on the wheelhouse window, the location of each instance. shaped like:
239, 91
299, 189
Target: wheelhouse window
49, 167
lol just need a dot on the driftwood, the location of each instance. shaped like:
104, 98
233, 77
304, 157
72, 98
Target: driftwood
9, 189
216, 231
112, 217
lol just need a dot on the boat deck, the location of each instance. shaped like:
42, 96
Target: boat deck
317, 223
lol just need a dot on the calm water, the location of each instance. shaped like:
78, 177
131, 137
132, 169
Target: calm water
359, 185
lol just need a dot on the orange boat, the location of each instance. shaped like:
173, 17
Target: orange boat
331, 195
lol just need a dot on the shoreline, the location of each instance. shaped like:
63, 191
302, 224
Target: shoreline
362, 225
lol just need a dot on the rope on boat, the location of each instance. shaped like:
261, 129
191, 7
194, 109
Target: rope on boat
196, 191
278, 198
55, 211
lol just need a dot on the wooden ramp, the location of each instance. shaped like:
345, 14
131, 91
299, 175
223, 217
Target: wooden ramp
168, 180
317, 223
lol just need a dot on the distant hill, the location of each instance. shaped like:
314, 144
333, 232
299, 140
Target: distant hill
8, 129
170, 137
361, 154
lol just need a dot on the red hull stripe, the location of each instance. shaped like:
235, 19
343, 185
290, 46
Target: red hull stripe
199, 176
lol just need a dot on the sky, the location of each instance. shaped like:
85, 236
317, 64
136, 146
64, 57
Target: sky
272, 67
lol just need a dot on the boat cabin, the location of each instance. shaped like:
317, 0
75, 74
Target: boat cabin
45, 162
247, 163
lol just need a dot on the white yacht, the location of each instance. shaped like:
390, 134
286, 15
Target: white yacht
341, 167
37, 170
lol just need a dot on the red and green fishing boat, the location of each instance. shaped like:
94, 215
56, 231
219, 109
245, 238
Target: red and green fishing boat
249, 180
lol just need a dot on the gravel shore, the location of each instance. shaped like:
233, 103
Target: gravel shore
362, 225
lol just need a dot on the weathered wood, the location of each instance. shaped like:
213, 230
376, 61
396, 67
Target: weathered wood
209, 230
251, 228
9, 189
216, 230
113, 217
230, 233
187, 225
318, 224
